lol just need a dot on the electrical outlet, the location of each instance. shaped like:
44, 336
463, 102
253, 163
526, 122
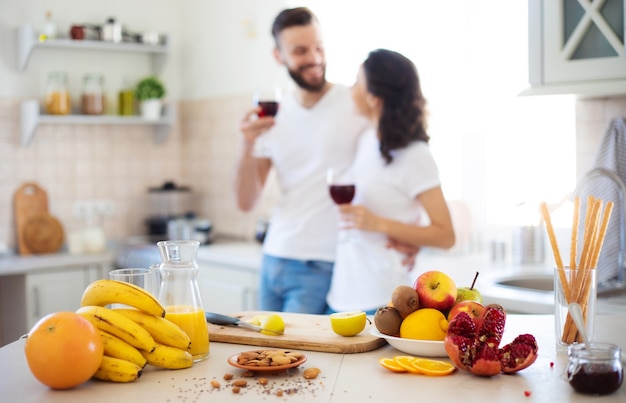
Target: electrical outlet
83, 208
105, 207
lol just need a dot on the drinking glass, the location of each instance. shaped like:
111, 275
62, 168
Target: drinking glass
342, 188
268, 99
148, 279
573, 285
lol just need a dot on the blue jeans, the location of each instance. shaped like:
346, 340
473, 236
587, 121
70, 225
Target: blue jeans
289, 285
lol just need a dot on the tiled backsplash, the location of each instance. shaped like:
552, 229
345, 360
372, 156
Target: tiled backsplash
592, 120
120, 163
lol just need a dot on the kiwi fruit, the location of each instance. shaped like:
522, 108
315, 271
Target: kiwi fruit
387, 320
405, 300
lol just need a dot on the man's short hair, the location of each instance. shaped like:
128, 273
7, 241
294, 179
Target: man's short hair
299, 16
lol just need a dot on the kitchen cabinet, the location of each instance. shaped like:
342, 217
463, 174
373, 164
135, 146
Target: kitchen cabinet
39, 285
227, 288
59, 290
576, 47
31, 116
228, 276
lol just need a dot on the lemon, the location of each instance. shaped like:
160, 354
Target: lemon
272, 324
256, 320
348, 323
424, 324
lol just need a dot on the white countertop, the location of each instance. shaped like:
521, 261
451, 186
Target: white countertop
17, 264
349, 377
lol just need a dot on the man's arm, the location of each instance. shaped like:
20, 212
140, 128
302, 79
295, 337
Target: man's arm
252, 171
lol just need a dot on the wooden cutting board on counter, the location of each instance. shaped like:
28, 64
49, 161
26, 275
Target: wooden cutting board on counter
302, 332
37, 230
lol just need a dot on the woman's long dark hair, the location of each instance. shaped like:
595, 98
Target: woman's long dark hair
393, 78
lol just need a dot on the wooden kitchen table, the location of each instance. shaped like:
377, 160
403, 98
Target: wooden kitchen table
344, 377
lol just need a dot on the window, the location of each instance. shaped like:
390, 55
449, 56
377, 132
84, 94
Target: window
495, 149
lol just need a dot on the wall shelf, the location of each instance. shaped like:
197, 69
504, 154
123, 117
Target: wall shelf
27, 42
32, 117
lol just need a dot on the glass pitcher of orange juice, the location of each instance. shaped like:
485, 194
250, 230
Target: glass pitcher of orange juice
179, 293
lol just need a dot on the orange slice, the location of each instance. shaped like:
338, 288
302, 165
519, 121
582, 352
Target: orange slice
391, 365
405, 361
432, 367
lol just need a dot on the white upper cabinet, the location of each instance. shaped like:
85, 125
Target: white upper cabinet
577, 47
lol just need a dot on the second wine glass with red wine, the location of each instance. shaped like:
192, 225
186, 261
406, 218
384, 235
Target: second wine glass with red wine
342, 189
268, 100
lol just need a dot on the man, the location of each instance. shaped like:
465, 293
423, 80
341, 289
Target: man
316, 128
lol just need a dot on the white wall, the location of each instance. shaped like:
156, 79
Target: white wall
227, 47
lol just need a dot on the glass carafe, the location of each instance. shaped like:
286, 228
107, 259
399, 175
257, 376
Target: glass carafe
180, 295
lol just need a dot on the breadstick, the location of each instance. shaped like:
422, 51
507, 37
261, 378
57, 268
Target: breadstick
574, 242
555, 248
602, 233
588, 232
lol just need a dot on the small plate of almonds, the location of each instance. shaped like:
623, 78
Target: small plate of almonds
267, 360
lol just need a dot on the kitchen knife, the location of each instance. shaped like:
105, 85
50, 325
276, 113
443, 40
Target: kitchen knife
219, 319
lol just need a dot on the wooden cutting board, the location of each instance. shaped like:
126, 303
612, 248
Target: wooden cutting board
29, 199
302, 332
43, 233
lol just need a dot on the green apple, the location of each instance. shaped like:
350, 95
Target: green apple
469, 293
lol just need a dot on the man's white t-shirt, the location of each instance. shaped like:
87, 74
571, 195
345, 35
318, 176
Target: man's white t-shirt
366, 271
302, 145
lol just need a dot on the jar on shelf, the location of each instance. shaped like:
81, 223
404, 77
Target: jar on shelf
57, 98
93, 95
126, 101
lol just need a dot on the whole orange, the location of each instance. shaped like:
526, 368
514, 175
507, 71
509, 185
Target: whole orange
63, 350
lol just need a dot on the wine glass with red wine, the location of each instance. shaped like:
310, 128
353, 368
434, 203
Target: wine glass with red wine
342, 188
268, 100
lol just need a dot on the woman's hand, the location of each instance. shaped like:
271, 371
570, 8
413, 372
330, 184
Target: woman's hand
359, 217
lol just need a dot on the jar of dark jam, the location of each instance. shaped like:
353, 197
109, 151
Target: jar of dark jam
595, 371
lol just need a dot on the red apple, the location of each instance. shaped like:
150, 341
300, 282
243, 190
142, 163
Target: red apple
435, 290
473, 308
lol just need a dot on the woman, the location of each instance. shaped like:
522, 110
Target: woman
397, 181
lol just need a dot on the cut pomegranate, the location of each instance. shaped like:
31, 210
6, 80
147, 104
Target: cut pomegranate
519, 354
473, 344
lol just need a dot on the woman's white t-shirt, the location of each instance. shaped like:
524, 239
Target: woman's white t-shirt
366, 271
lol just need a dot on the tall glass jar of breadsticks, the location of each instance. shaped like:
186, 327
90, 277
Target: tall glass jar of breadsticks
576, 282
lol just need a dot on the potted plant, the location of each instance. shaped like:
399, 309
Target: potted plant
150, 92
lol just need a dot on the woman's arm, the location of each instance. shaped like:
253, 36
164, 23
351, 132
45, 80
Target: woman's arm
439, 233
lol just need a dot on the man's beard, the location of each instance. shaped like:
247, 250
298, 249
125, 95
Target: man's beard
302, 83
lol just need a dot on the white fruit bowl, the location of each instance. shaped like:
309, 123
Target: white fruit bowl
419, 348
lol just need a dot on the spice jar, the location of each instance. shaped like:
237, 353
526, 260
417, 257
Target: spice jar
180, 295
93, 95
126, 101
57, 99
595, 371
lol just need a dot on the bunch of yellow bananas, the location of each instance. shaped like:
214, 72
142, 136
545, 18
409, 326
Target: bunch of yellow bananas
133, 337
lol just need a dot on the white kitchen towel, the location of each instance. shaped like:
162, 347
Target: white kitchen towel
611, 156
